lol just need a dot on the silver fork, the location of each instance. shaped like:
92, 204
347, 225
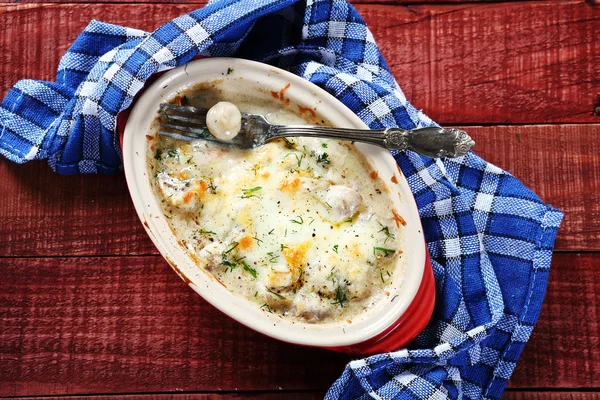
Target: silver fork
189, 123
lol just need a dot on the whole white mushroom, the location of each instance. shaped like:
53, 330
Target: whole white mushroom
224, 120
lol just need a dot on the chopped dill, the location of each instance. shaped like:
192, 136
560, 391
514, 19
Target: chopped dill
266, 307
249, 269
172, 153
299, 221
247, 193
234, 244
207, 232
272, 257
340, 296
384, 250
335, 248
386, 232
276, 294
289, 144
323, 158
212, 187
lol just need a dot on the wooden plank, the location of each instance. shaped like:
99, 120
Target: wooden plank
564, 349
534, 62
199, 396
546, 395
203, 2
508, 395
44, 214
561, 164
129, 324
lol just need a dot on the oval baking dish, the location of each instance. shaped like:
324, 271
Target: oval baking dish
387, 326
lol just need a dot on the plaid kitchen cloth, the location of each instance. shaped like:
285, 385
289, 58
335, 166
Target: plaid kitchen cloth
490, 238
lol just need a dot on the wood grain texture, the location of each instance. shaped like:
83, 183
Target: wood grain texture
561, 164
306, 395
129, 324
287, 395
508, 395
203, 2
564, 349
534, 62
548, 395
44, 214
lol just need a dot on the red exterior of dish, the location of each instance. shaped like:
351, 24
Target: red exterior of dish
397, 335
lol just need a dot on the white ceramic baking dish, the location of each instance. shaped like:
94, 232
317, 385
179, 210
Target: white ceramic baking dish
386, 327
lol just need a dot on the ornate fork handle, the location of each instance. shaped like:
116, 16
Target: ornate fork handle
430, 141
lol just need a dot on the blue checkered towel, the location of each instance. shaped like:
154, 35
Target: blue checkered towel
490, 238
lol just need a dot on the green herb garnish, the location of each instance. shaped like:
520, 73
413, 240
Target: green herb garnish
266, 307
207, 232
387, 233
247, 193
335, 248
340, 296
298, 221
384, 250
272, 257
172, 153
271, 231
234, 244
299, 159
249, 269
229, 71
324, 145
276, 294
323, 158
212, 187
289, 144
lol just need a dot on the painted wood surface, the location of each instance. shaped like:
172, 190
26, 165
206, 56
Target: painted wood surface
505, 63
87, 307
310, 395
128, 324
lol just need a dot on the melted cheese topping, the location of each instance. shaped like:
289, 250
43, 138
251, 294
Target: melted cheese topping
300, 227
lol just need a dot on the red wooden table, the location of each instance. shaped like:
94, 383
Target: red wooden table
88, 307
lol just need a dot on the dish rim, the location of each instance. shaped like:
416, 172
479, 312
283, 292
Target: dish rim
303, 93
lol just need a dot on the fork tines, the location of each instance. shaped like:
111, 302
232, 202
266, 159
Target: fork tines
183, 122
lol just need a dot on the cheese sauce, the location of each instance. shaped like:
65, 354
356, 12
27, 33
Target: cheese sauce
303, 228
